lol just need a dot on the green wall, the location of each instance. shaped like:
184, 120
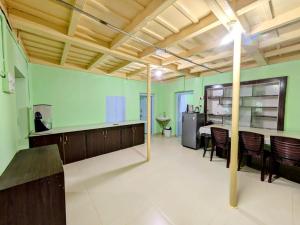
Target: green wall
78, 98
291, 69
13, 133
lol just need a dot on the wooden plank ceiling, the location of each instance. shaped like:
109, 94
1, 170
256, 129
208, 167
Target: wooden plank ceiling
52, 34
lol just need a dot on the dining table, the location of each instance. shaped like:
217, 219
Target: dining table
266, 132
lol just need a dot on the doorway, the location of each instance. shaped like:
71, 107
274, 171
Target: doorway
22, 109
143, 111
182, 100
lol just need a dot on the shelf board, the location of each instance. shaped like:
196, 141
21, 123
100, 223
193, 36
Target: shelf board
215, 97
220, 115
259, 107
262, 107
260, 96
253, 96
265, 116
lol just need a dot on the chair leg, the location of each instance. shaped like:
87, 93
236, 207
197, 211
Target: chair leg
249, 160
263, 167
228, 158
277, 165
212, 152
205, 145
271, 171
240, 160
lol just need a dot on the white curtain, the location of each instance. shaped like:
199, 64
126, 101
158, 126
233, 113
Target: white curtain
115, 109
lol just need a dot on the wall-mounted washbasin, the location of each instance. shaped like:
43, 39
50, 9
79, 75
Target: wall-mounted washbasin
163, 122
163, 119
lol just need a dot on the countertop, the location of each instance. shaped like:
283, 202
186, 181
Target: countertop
59, 130
31, 164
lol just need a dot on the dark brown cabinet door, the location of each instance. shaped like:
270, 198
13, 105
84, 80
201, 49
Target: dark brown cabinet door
127, 137
75, 146
49, 140
138, 134
112, 139
95, 142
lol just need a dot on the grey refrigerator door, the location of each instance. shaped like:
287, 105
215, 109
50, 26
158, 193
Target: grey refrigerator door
189, 125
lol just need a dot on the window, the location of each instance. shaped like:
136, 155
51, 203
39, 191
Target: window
115, 109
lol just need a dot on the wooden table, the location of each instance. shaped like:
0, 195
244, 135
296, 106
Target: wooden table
266, 132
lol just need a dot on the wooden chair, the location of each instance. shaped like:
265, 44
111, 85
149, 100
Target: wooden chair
220, 141
252, 145
206, 139
284, 151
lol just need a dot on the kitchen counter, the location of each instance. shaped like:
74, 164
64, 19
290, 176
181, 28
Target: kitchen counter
59, 130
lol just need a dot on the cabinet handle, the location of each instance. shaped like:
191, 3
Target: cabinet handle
66, 138
60, 139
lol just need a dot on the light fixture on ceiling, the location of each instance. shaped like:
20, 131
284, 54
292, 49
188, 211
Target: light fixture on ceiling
235, 29
157, 72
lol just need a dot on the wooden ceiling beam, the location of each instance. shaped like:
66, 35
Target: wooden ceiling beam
118, 67
219, 65
97, 5
97, 60
225, 14
186, 12
44, 31
292, 35
281, 51
41, 30
283, 38
166, 24
210, 58
253, 50
75, 17
211, 45
73, 67
74, 21
277, 22
136, 72
207, 23
269, 54
153, 9
152, 33
65, 53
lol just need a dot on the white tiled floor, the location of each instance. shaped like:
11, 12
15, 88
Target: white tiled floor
178, 187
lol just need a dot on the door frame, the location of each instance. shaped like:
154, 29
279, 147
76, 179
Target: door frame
177, 94
152, 110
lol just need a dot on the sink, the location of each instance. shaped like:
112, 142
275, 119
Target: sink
163, 119
163, 122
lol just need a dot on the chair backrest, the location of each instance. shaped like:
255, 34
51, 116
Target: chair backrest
251, 142
219, 137
286, 150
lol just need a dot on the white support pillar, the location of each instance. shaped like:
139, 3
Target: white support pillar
148, 112
235, 118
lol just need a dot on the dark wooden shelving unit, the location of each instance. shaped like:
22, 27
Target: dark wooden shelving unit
270, 93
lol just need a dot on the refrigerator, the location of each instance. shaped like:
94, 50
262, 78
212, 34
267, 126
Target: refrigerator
191, 122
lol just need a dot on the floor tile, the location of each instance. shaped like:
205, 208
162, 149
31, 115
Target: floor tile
177, 187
